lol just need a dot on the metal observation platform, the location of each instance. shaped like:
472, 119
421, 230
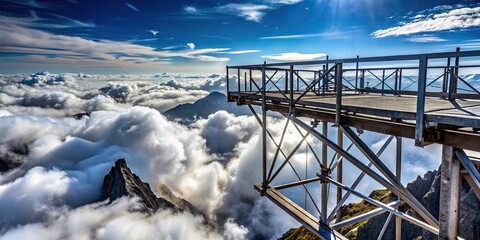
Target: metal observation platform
432, 98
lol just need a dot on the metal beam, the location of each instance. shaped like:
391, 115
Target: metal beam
363, 216
449, 194
405, 194
473, 177
398, 169
414, 204
357, 181
264, 128
383, 206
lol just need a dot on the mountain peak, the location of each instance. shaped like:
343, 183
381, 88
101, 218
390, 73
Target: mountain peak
120, 181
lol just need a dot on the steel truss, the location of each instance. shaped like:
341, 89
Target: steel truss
456, 164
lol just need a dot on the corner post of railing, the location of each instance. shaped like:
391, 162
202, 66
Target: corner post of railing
455, 81
451, 87
356, 74
264, 129
338, 86
292, 105
228, 84
421, 93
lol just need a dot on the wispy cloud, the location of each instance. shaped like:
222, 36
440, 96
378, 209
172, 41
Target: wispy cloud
426, 39
154, 32
132, 7
294, 56
461, 18
330, 35
242, 51
251, 12
31, 3
35, 21
36, 46
282, 2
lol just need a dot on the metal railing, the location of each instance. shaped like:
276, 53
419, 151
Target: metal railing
441, 75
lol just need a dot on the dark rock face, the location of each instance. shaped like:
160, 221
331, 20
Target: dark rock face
427, 191
120, 181
214, 102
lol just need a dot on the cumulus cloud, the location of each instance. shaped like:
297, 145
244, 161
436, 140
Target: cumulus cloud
190, 9
191, 45
452, 19
294, 56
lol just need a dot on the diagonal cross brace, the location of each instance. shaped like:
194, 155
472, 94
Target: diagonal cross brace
407, 196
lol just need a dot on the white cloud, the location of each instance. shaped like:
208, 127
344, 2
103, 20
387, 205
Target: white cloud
77, 51
329, 35
191, 46
190, 9
426, 38
132, 7
249, 11
294, 56
243, 51
454, 19
282, 2
154, 32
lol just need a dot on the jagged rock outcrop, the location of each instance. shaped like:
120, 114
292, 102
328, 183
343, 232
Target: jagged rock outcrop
120, 181
427, 190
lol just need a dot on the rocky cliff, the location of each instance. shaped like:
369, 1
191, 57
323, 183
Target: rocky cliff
120, 181
427, 190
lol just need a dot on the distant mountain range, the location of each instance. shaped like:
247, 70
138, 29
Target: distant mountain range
212, 103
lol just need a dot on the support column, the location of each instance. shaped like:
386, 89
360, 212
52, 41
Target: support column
449, 194
264, 129
325, 163
339, 172
398, 220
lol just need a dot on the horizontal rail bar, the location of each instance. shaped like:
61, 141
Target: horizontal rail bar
374, 59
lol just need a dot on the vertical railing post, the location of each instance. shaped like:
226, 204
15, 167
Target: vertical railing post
264, 128
422, 84
400, 82
383, 81
250, 78
451, 88
238, 81
338, 84
298, 81
356, 74
362, 81
324, 81
245, 89
445, 76
228, 84
292, 107
396, 80
286, 81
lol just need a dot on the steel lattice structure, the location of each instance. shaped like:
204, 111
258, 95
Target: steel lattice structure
425, 97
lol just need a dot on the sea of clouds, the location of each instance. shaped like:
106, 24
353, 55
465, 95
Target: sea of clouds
59, 160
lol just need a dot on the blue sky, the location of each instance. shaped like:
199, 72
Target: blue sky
203, 36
